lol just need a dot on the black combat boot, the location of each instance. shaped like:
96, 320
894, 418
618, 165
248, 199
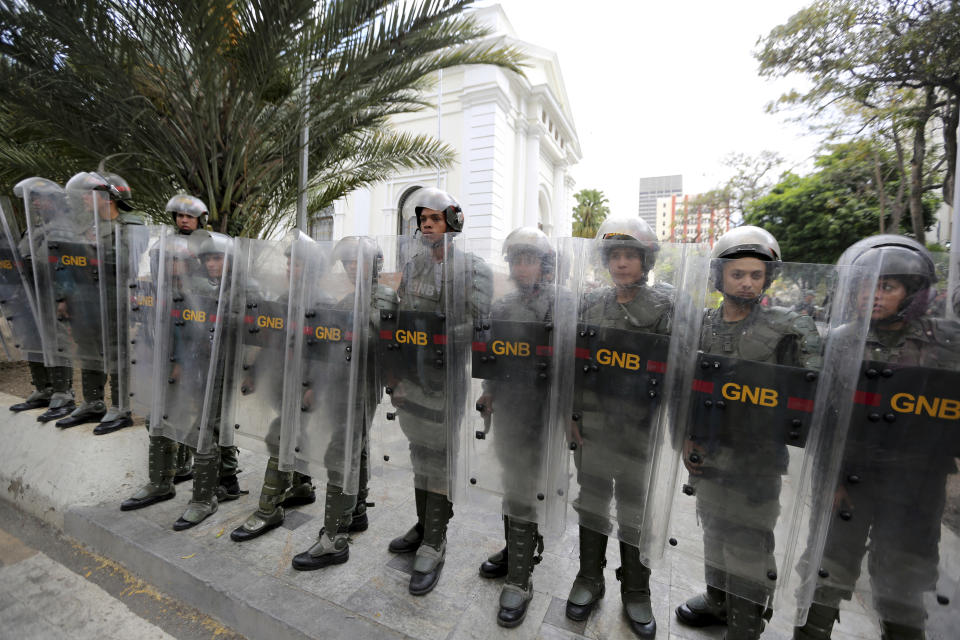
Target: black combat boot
705, 609
93, 407
269, 514
43, 389
819, 624
183, 464
634, 579
589, 585
496, 565
160, 457
206, 477
745, 619
332, 545
430, 556
412, 539
893, 631
524, 548
358, 520
61, 402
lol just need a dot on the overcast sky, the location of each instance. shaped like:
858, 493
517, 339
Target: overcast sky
658, 88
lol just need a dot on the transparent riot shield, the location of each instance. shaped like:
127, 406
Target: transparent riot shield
622, 381
192, 304
890, 536
518, 402
45, 209
138, 267
74, 245
758, 394
424, 349
22, 338
326, 367
257, 344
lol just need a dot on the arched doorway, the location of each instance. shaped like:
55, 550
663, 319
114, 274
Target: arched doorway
406, 219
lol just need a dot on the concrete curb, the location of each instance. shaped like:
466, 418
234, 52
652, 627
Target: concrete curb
252, 603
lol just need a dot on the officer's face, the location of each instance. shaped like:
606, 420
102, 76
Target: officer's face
294, 269
433, 223
889, 295
350, 266
743, 277
187, 223
213, 262
625, 266
525, 269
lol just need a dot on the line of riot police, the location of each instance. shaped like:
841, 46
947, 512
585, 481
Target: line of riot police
650, 389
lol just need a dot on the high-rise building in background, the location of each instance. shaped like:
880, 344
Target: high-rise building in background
682, 218
653, 188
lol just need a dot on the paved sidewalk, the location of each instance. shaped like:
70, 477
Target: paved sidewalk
252, 588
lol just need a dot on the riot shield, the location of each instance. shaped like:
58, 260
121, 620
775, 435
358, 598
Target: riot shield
45, 203
518, 401
138, 266
256, 346
759, 392
621, 384
424, 350
326, 366
22, 339
72, 241
890, 536
192, 303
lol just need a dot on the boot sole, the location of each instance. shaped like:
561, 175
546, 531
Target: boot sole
331, 560
126, 505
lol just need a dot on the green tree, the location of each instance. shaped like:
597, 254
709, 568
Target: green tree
896, 62
591, 210
210, 96
815, 217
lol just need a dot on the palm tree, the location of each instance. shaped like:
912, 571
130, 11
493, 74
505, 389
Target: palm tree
209, 96
590, 212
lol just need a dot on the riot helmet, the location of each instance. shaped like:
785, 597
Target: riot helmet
745, 242
43, 198
438, 200
902, 259
85, 182
214, 245
355, 248
124, 195
187, 205
633, 233
530, 241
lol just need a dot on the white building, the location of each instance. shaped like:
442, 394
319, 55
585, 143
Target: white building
515, 142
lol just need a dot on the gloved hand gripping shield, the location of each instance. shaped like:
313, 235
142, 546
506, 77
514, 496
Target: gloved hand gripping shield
423, 352
884, 471
758, 393
628, 291
519, 398
138, 272
192, 304
325, 372
22, 338
257, 346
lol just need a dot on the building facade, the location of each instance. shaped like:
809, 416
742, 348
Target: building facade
515, 141
679, 218
656, 187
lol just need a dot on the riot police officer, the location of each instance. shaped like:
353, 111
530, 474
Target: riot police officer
613, 454
168, 462
53, 386
421, 394
737, 482
516, 402
215, 467
345, 513
281, 489
118, 212
891, 485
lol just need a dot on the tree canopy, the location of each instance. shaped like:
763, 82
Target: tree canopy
590, 211
210, 96
815, 217
891, 67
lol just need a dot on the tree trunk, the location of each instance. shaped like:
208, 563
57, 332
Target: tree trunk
896, 207
950, 122
916, 165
